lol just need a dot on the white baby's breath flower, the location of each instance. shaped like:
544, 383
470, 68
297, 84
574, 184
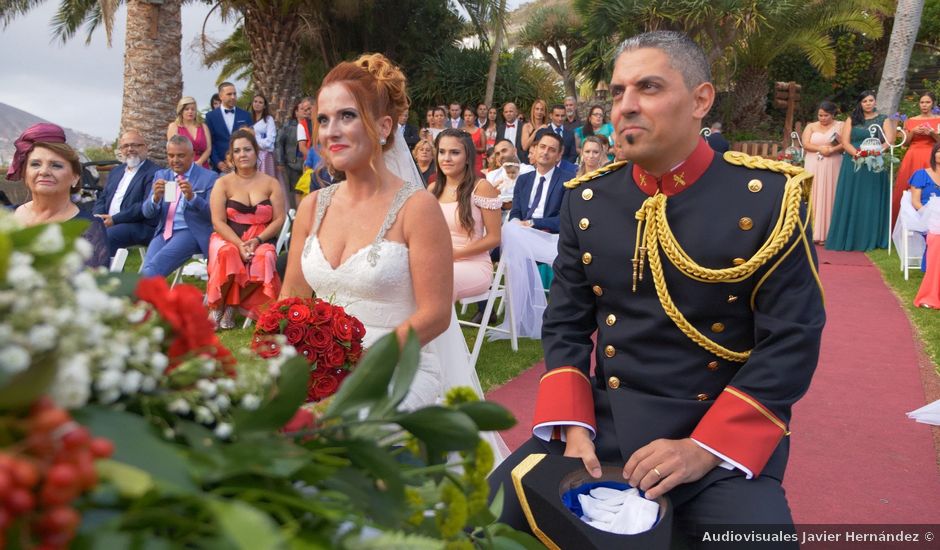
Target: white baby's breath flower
131, 382
85, 281
148, 384
204, 415
112, 362
250, 402
157, 334
168, 433
49, 241
72, 263
223, 430
135, 315
158, 363
109, 396
72, 386
42, 337
274, 369
226, 384
207, 388
20, 259
14, 359
6, 334
83, 248
208, 367
287, 351
109, 380
180, 406
222, 402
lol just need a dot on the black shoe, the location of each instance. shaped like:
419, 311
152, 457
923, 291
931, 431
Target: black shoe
478, 317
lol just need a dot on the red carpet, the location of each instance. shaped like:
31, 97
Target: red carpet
855, 457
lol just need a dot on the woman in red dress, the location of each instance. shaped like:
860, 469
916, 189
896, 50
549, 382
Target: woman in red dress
479, 139
922, 132
247, 213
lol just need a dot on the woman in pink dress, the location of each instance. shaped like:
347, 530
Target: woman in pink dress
471, 207
479, 140
821, 140
247, 213
922, 132
189, 123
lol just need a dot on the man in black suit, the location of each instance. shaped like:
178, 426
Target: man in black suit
536, 199
128, 186
716, 140
407, 131
511, 129
569, 152
695, 367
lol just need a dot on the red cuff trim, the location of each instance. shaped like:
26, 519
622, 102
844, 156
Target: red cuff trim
564, 395
739, 427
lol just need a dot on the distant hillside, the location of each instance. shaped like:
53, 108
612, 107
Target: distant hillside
13, 121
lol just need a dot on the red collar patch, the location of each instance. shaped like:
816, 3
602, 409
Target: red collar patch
678, 179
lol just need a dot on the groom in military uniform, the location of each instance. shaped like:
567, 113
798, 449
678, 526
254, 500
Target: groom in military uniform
698, 276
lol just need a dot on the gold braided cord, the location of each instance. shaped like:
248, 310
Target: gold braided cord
572, 183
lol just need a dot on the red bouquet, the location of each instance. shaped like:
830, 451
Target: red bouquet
328, 337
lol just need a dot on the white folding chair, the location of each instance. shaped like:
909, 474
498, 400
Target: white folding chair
283, 240
179, 271
908, 236
497, 291
118, 261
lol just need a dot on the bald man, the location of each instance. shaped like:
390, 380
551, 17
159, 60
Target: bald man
119, 203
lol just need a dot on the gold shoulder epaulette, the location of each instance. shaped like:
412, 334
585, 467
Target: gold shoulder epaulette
795, 174
613, 166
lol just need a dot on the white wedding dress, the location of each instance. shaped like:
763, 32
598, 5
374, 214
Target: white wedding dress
374, 285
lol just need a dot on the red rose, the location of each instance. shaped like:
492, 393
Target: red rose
298, 313
355, 351
302, 420
358, 330
270, 322
318, 337
307, 352
295, 334
322, 312
324, 386
335, 356
342, 330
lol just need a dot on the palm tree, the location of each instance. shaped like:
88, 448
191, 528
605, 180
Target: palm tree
903, 35
153, 78
555, 31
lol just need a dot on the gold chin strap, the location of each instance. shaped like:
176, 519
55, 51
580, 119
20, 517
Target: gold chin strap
656, 236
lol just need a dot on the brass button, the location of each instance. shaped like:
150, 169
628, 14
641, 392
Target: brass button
745, 223
609, 351
713, 365
587, 194
586, 258
738, 261
732, 298
598, 291
584, 223
613, 382
611, 319
718, 327
754, 186
702, 397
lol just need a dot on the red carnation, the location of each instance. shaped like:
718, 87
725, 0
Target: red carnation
295, 334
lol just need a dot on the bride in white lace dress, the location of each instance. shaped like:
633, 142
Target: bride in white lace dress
375, 243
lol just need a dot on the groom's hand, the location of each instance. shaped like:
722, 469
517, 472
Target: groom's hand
579, 444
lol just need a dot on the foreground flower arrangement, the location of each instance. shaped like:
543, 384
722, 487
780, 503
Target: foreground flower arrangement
182, 445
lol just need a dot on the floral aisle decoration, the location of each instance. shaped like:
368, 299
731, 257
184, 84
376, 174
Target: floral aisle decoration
870, 156
322, 333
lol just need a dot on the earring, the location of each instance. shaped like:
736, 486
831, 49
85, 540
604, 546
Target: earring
382, 141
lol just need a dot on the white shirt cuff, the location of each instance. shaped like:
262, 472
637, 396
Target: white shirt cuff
727, 463
544, 430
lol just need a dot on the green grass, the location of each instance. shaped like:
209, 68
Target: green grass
926, 321
497, 363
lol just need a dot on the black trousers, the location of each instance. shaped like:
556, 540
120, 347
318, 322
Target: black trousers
721, 498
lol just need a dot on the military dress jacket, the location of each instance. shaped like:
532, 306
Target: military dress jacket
654, 380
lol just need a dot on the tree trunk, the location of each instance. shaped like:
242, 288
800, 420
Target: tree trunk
153, 77
494, 53
750, 98
272, 35
903, 35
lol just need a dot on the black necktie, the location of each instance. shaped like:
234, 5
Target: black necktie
558, 130
537, 198
229, 111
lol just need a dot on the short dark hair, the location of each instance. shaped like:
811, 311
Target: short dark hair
557, 106
684, 54
549, 133
500, 140
439, 108
224, 85
829, 107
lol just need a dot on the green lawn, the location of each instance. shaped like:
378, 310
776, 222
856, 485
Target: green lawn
497, 363
926, 321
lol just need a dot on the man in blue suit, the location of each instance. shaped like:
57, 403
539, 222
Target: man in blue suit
536, 199
569, 152
184, 223
222, 122
119, 203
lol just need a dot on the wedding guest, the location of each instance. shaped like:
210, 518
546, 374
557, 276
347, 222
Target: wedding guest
482, 120
925, 183
511, 129
437, 122
538, 119
536, 200
247, 214
479, 142
569, 152
821, 141
119, 203
287, 154
471, 208
423, 154
504, 149
305, 127
52, 172
923, 131
215, 102
455, 120
222, 122
407, 131
593, 154
716, 140
490, 128
265, 133
185, 222
571, 114
189, 123
507, 182
595, 125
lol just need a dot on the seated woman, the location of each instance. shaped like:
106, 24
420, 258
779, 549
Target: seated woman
472, 210
423, 154
593, 154
247, 213
52, 172
925, 183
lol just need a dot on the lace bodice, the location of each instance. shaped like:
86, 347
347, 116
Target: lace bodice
374, 284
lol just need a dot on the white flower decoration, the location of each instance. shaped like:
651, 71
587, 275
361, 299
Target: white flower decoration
14, 359
49, 241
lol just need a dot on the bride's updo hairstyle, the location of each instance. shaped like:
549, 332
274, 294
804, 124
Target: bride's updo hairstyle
379, 88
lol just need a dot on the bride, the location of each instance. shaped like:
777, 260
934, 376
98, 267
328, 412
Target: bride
376, 242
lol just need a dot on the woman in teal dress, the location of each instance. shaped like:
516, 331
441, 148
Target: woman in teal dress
860, 210
595, 125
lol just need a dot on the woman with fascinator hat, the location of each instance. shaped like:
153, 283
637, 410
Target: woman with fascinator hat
52, 172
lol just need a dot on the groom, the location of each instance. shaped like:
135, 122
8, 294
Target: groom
695, 377
222, 122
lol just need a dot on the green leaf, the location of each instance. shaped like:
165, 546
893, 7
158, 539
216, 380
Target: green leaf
131, 482
487, 415
368, 384
403, 375
21, 389
245, 526
496, 505
290, 394
442, 428
375, 460
392, 541
136, 444
6, 247
507, 538
121, 285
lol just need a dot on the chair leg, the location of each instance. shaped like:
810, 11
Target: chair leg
904, 253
